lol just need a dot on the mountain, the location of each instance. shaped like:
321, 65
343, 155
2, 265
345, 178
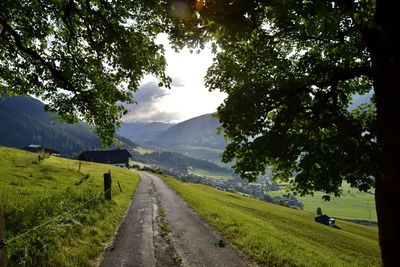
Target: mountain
196, 137
199, 131
196, 132
23, 121
142, 132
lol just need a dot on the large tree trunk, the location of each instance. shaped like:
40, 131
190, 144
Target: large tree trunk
387, 194
385, 55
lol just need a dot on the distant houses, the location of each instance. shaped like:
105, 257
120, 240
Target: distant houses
325, 219
290, 201
38, 148
115, 157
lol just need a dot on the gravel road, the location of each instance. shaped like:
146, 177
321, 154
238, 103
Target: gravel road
161, 230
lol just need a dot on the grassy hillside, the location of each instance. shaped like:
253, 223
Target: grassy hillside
209, 174
207, 153
75, 221
142, 132
277, 236
353, 204
179, 163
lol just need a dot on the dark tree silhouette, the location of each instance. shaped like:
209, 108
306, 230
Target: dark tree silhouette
319, 211
290, 69
82, 57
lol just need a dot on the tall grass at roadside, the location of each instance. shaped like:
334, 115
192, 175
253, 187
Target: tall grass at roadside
74, 220
272, 235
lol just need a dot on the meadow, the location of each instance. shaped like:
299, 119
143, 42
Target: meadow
272, 235
209, 174
352, 204
56, 214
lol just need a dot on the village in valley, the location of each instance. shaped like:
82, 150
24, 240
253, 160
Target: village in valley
265, 188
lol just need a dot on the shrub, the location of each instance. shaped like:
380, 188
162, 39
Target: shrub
319, 211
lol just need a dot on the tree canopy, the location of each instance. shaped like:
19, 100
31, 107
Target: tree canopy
83, 58
290, 69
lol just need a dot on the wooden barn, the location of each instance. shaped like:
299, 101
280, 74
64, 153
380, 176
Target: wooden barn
114, 157
324, 219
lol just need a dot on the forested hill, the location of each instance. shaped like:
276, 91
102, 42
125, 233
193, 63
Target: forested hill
196, 132
142, 132
23, 121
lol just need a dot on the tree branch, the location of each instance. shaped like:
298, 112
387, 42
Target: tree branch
343, 75
57, 75
96, 13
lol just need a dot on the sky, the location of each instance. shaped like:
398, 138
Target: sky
188, 96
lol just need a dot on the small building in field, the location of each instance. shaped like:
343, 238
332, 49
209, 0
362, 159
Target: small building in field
41, 149
325, 219
115, 157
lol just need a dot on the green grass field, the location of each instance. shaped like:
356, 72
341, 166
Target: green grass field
272, 235
142, 150
76, 220
211, 154
353, 204
208, 174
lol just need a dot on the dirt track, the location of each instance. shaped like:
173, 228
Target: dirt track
160, 230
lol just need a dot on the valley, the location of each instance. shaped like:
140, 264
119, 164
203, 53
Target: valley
44, 194
180, 150
32, 192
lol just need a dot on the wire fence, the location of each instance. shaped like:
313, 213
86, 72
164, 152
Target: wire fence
6, 242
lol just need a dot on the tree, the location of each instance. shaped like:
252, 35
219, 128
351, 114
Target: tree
81, 57
290, 69
319, 211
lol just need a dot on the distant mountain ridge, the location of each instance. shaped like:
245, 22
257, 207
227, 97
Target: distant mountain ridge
23, 121
142, 131
200, 131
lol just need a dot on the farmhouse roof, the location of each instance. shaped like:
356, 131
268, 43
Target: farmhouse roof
324, 219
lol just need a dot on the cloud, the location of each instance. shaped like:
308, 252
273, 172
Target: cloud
148, 106
187, 97
177, 82
149, 92
164, 116
149, 112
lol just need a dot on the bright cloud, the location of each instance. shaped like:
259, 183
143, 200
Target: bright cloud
187, 97
147, 107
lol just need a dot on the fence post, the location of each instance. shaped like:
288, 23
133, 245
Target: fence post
107, 186
3, 254
119, 185
80, 163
